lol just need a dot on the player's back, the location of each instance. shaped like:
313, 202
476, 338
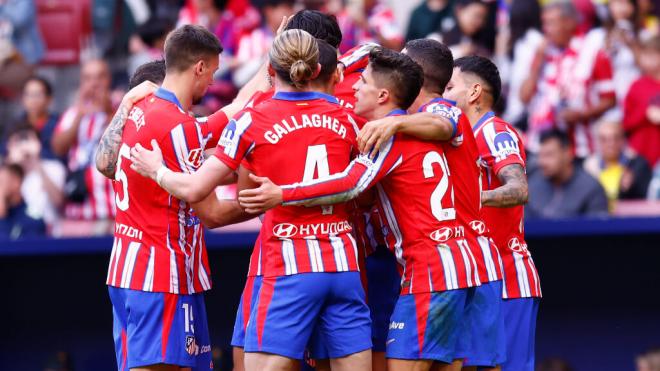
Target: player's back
464, 162
159, 243
417, 198
300, 137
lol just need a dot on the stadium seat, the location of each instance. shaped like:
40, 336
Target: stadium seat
65, 25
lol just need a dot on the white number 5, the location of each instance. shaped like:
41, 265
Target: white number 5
120, 176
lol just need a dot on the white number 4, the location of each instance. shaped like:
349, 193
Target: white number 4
317, 162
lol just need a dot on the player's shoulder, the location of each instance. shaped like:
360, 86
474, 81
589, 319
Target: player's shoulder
444, 108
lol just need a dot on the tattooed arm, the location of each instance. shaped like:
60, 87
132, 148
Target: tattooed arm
513, 190
108, 150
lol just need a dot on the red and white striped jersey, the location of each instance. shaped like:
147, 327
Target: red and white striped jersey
99, 203
463, 159
500, 145
159, 242
294, 137
430, 245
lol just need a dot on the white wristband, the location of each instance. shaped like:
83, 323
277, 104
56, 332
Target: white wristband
161, 173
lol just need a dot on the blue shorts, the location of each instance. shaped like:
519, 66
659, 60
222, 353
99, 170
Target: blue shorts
427, 326
290, 308
482, 341
383, 289
248, 298
520, 328
154, 327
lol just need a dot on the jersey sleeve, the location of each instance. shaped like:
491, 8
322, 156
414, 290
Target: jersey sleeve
451, 113
361, 174
215, 124
236, 142
499, 146
183, 147
357, 58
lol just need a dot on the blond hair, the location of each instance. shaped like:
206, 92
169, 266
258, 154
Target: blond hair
295, 56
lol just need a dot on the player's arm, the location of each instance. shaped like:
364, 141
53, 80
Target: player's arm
215, 213
423, 125
512, 192
361, 174
107, 151
189, 187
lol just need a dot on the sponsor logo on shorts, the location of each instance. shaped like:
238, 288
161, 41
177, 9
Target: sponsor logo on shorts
191, 345
397, 326
389, 341
445, 233
478, 226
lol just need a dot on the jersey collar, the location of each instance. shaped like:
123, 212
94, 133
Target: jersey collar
304, 95
437, 100
483, 120
396, 112
168, 96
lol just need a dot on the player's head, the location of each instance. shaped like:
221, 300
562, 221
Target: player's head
294, 58
555, 156
475, 80
391, 80
328, 77
436, 61
194, 51
151, 71
320, 25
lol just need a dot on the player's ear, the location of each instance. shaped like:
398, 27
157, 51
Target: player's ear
475, 92
199, 67
340, 72
383, 96
318, 70
271, 70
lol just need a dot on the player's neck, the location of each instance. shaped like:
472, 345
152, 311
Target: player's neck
382, 110
178, 84
423, 98
476, 111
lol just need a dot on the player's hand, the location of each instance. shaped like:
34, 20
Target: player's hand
146, 162
258, 200
375, 133
138, 92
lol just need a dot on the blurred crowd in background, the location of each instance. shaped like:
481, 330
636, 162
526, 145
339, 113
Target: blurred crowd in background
580, 78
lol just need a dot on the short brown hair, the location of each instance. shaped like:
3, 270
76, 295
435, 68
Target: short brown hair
187, 45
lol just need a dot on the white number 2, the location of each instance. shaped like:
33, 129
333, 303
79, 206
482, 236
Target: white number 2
120, 176
438, 194
317, 162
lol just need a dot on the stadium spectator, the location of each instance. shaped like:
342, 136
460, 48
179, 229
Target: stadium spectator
429, 17
618, 38
43, 180
253, 47
369, 21
649, 361
513, 63
621, 172
471, 17
36, 101
570, 84
148, 42
641, 119
15, 221
560, 189
21, 47
89, 194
